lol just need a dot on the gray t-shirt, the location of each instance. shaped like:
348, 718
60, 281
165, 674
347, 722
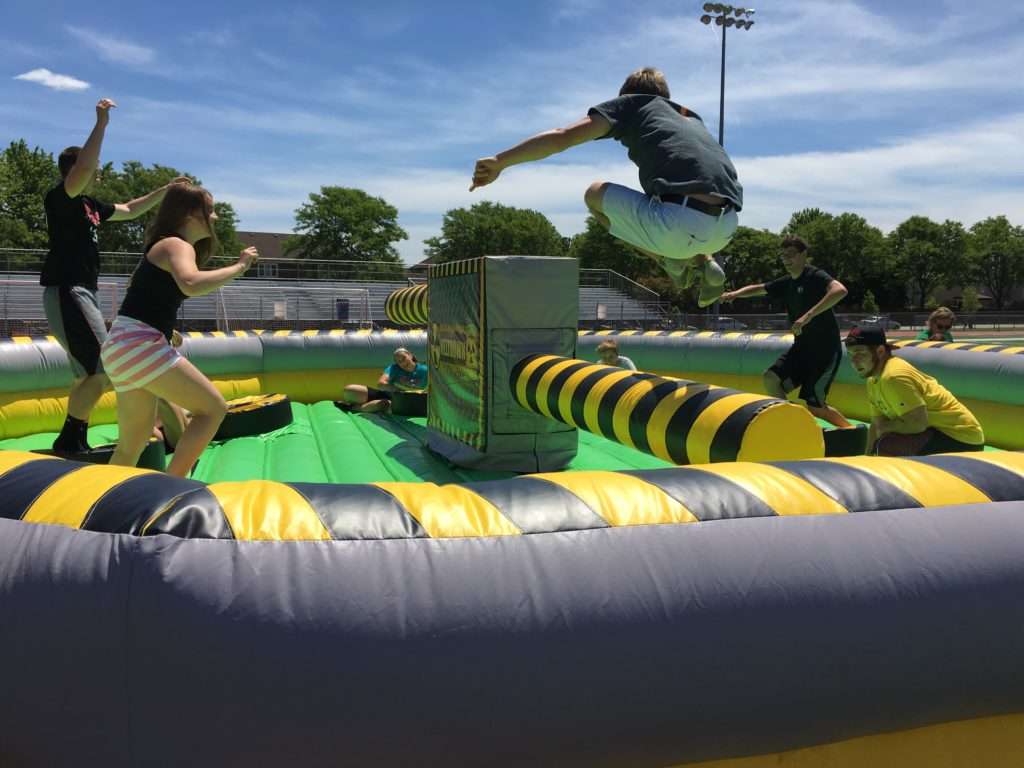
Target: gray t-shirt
625, 362
675, 155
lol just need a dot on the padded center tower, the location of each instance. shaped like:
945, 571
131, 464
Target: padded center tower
486, 315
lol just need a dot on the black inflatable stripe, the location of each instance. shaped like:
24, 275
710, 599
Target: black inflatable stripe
579, 397
535, 505
22, 485
645, 408
853, 488
611, 398
682, 421
707, 495
533, 382
195, 514
517, 371
559, 381
995, 482
360, 512
728, 439
129, 505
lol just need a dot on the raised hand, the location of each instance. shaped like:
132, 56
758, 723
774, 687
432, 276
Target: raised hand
103, 107
248, 257
487, 169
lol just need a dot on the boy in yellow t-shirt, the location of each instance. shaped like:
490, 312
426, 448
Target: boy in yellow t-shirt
911, 413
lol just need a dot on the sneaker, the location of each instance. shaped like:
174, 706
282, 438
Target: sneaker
712, 284
683, 274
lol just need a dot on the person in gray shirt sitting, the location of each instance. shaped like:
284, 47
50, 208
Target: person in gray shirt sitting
608, 351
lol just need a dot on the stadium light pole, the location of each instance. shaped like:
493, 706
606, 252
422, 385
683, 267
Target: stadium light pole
724, 16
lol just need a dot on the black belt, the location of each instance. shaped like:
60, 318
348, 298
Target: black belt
697, 205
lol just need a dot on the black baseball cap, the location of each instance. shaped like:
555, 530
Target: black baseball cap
867, 336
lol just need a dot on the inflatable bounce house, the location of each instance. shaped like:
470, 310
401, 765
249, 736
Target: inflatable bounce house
561, 564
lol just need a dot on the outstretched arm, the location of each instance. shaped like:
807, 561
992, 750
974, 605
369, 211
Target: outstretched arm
82, 171
135, 208
747, 291
180, 258
538, 147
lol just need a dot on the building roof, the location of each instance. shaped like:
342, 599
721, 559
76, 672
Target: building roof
269, 244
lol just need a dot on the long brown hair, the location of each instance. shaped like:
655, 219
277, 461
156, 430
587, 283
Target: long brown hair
180, 202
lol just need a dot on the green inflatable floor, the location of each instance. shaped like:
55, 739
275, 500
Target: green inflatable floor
325, 445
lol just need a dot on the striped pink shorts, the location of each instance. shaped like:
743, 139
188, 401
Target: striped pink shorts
135, 353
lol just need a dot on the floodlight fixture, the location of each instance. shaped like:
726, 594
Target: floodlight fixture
705, 19
709, 7
719, 20
739, 11
729, 21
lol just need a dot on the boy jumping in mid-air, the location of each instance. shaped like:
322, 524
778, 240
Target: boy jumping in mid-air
687, 211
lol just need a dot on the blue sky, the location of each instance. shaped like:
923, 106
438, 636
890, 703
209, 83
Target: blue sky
885, 109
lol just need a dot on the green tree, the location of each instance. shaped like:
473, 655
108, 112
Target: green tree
346, 224
800, 220
869, 304
226, 227
493, 229
752, 257
996, 250
927, 254
26, 175
970, 301
132, 181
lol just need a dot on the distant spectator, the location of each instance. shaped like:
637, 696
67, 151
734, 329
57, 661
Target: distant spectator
406, 373
608, 351
940, 323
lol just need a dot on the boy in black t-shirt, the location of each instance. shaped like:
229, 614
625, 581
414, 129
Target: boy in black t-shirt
687, 210
811, 363
71, 271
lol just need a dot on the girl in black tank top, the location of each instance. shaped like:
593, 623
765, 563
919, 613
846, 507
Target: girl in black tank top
153, 296
140, 363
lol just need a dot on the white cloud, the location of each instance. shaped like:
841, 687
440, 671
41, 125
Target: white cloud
53, 80
113, 49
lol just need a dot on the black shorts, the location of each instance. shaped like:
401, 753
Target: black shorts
373, 393
920, 444
813, 369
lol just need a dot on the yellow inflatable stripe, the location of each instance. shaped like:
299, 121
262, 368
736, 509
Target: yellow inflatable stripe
985, 347
702, 433
624, 408
954, 344
195, 334
592, 403
629, 333
545, 384
282, 333
524, 376
13, 459
679, 333
313, 332
930, 486
783, 492
993, 742
21, 339
68, 499
263, 510
621, 499
565, 395
450, 511
240, 334
1009, 460
1011, 350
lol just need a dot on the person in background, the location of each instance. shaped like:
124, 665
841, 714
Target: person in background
608, 351
688, 208
406, 373
137, 355
940, 323
811, 363
70, 274
911, 413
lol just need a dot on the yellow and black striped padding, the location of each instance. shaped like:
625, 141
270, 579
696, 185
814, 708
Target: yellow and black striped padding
684, 422
408, 306
122, 500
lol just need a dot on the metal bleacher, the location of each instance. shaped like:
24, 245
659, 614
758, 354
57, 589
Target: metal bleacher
606, 299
